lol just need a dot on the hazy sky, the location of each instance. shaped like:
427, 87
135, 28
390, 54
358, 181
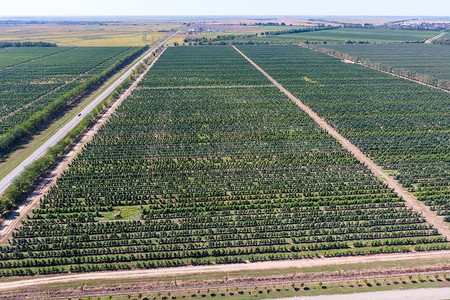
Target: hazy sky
224, 7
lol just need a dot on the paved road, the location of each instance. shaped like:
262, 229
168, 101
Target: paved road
8, 179
413, 294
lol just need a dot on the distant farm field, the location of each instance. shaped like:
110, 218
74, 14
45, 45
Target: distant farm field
352, 34
207, 162
433, 60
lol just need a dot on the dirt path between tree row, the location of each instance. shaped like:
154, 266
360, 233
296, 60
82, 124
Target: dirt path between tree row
51, 178
430, 40
410, 200
293, 265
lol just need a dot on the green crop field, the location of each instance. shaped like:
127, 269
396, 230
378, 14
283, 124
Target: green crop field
33, 78
345, 34
403, 126
207, 162
433, 60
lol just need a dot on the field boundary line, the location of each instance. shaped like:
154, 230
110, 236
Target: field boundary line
410, 200
7, 226
376, 69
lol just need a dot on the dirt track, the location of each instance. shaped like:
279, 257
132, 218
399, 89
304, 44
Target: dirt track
430, 40
214, 269
410, 200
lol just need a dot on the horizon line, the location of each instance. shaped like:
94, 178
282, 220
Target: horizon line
218, 15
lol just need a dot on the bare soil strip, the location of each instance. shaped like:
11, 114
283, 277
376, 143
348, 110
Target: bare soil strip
293, 265
430, 40
64, 85
225, 281
410, 200
32, 202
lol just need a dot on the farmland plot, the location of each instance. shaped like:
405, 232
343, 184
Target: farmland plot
342, 35
13, 56
402, 126
31, 78
206, 162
